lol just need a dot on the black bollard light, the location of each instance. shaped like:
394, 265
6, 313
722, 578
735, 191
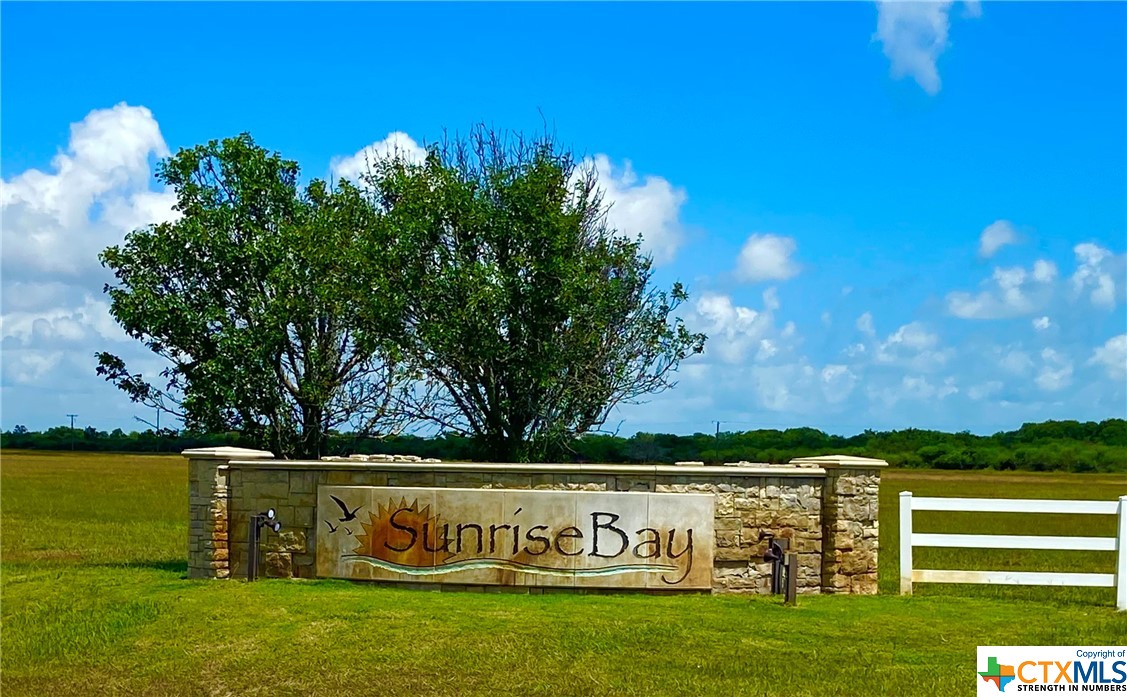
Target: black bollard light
257, 522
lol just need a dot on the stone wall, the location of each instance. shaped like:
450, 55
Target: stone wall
826, 507
850, 507
208, 493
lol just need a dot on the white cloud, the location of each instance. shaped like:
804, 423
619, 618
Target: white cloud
89, 321
767, 349
50, 223
1044, 271
1112, 356
865, 324
743, 393
55, 222
912, 335
995, 236
27, 367
1096, 268
396, 144
142, 208
913, 347
907, 378
1056, 371
986, 389
1100, 278
797, 386
767, 258
914, 35
733, 330
947, 389
912, 388
29, 295
1016, 362
911, 376
771, 299
780, 387
1010, 293
838, 382
1089, 254
650, 207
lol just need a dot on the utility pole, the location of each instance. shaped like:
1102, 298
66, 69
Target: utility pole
72, 418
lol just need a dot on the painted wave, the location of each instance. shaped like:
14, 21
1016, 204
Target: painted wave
506, 565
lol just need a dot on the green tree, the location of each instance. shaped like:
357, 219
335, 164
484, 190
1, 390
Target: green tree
529, 314
249, 297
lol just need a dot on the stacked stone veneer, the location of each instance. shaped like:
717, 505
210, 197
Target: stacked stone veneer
850, 524
208, 494
825, 506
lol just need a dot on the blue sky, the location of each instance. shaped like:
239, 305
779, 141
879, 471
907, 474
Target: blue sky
887, 215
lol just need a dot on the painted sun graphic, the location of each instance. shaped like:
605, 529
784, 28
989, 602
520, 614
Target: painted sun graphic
403, 534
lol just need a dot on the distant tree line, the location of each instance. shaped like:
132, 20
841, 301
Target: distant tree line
1070, 446
90, 439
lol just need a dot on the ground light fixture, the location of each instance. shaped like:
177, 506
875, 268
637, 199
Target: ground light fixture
784, 567
257, 522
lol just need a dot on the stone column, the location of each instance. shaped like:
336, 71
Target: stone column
850, 528
208, 494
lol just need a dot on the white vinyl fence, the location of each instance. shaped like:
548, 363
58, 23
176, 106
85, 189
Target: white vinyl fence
908, 540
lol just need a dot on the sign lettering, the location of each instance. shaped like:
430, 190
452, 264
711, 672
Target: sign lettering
516, 537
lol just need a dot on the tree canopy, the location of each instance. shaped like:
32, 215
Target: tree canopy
246, 296
481, 291
528, 313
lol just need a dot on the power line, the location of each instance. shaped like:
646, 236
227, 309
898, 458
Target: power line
72, 418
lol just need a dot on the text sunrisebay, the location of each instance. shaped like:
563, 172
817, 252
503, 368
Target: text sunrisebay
602, 538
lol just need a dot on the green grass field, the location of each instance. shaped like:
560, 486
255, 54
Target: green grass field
93, 601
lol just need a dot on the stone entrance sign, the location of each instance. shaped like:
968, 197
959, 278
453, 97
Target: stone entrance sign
554, 513
516, 537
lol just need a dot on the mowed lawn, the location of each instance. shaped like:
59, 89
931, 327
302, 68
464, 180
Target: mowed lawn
93, 601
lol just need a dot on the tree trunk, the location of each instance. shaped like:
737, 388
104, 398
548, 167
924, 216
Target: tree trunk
313, 437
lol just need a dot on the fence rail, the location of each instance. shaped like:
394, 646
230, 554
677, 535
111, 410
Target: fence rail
909, 540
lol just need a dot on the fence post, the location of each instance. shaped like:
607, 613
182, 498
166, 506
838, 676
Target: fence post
906, 542
1121, 557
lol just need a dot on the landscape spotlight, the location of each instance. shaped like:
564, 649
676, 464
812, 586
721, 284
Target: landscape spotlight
257, 522
267, 519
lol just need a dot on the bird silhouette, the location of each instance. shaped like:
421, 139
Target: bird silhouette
348, 515
348, 530
332, 528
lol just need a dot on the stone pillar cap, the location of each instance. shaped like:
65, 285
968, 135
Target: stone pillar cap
840, 462
226, 452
